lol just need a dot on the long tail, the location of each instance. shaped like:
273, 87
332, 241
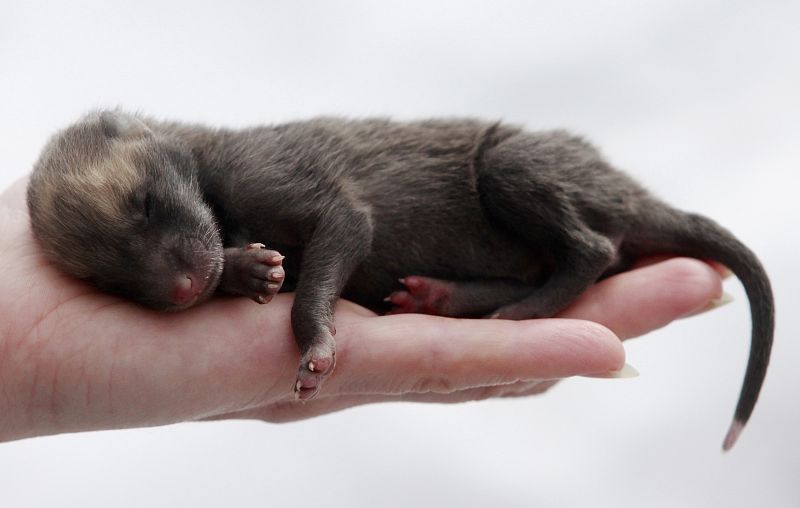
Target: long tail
667, 230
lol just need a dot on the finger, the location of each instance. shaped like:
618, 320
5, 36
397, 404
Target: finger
644, 299
518, 389
418, 353
291, 410
721, 269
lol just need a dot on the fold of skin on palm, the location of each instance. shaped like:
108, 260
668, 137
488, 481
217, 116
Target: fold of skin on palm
75, 359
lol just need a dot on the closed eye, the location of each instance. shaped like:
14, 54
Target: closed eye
148, 206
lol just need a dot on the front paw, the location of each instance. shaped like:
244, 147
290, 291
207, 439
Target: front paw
253, 271
315, 366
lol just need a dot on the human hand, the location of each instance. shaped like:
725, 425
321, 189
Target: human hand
75, 359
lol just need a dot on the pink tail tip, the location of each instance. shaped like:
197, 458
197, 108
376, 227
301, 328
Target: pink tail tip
733, 435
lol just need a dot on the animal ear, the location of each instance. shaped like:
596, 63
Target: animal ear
116, 124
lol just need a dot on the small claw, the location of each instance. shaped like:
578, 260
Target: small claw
412, 283
320, 364
305, 388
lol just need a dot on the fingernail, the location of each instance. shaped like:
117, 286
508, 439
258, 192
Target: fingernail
725, 299
626, 371
723, 271
715, 303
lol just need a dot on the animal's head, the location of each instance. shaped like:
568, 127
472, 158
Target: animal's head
117, 203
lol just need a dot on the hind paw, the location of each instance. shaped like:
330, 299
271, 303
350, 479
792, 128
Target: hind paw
422, 295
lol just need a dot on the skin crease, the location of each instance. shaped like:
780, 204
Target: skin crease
75, 359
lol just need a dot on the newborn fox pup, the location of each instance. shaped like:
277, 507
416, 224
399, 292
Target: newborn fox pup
398, 217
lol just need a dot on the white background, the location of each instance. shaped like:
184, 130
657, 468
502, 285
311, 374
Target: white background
699, 100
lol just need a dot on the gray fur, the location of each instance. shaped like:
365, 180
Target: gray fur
504, 222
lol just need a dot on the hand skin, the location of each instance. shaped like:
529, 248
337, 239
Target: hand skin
75, 359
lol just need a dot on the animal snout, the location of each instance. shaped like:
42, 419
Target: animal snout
186, 289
